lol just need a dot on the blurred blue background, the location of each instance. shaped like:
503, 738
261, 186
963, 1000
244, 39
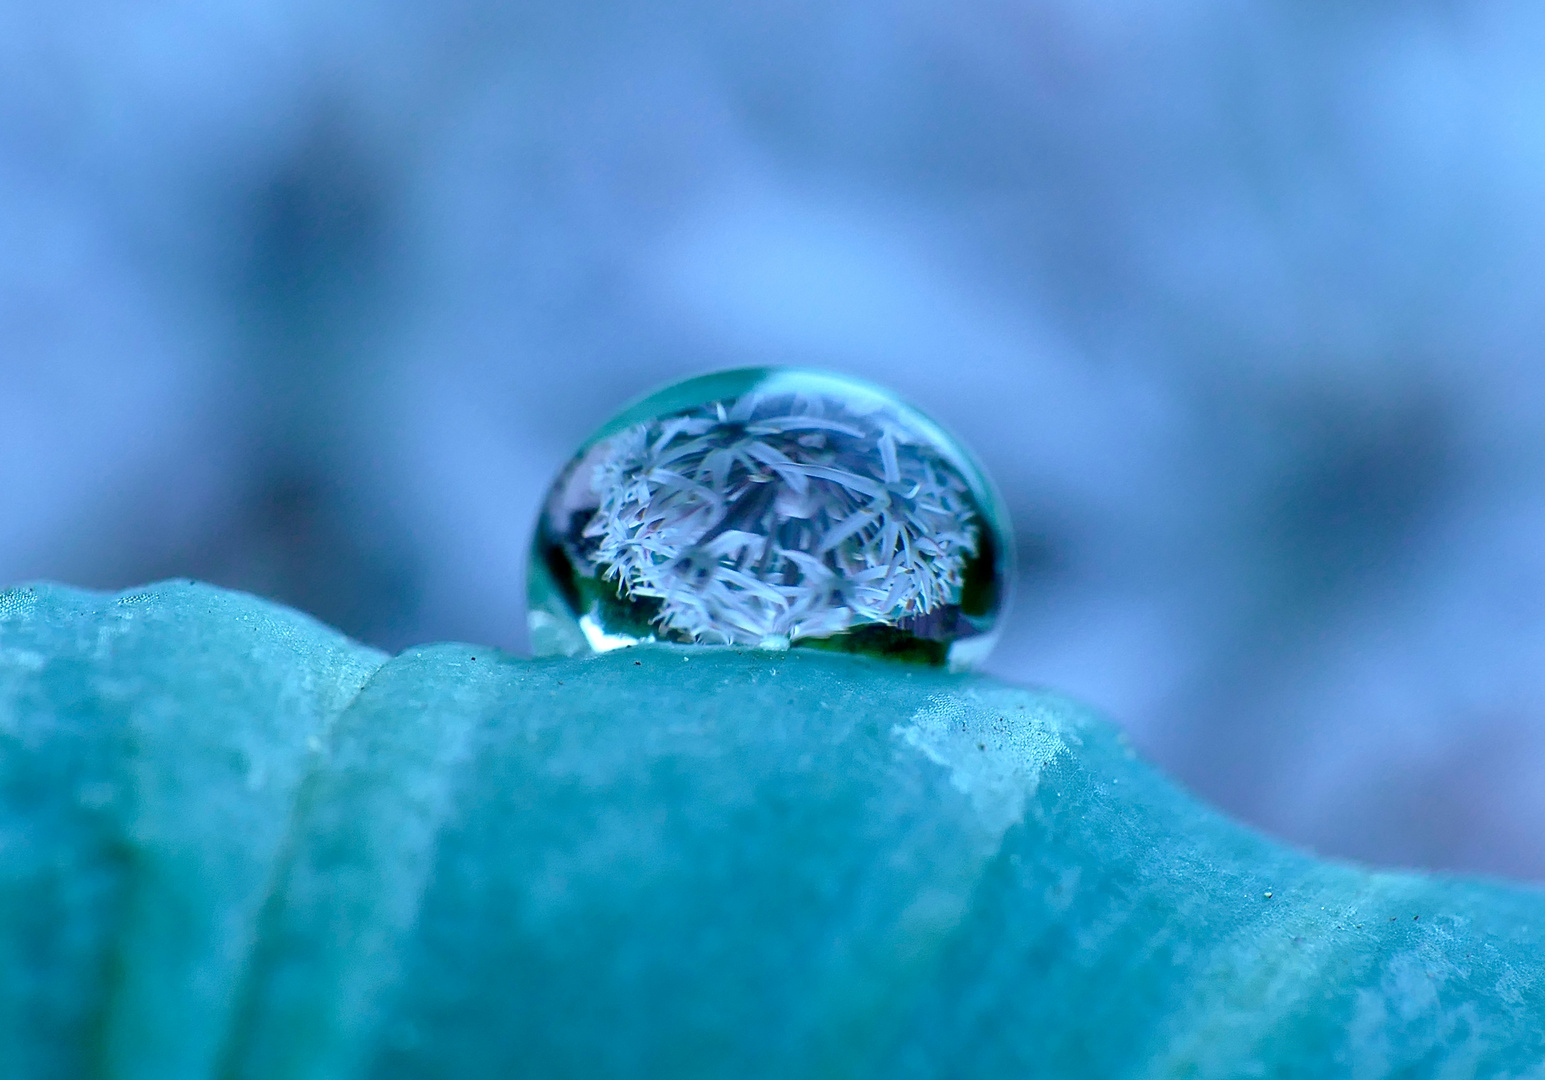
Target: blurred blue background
1240, 304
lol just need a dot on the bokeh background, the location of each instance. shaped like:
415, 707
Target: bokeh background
1239, 302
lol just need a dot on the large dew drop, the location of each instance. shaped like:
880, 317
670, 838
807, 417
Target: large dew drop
771, 508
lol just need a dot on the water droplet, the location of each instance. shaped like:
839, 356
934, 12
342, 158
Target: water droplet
771, 508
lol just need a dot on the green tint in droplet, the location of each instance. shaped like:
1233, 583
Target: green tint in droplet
775, 508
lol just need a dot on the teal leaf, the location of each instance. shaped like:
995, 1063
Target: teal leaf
234, 844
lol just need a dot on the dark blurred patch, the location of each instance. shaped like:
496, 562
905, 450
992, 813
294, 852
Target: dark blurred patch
1365, 478
1356, 486
300, 538
312, 296
319, 234
1040, 555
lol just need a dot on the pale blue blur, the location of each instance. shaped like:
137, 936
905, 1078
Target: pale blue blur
1240, 304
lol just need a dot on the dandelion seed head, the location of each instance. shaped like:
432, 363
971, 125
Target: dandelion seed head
778, 517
